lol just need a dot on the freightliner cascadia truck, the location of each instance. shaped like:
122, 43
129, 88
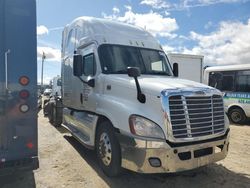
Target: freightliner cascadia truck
18, 86
122, 98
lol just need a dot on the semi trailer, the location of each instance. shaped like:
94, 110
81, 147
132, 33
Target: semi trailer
190, 66
121, 98
18, 86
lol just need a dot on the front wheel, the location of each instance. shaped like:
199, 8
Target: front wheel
237, 115
108, 150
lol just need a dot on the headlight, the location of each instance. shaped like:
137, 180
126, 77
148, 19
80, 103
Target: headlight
143, 127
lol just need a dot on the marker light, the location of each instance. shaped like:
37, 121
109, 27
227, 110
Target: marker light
24, 80
30, 145
24, 108
24, 94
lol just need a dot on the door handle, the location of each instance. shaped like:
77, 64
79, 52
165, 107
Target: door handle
81, 98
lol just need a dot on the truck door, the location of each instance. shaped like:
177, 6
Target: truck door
87, 93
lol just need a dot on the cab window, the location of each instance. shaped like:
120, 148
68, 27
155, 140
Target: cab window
89, 66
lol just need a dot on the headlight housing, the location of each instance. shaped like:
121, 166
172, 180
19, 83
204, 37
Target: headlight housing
141, 126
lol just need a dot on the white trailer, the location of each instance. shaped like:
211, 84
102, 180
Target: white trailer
122, 99
190, 66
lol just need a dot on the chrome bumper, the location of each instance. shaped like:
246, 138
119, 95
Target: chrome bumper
173, 157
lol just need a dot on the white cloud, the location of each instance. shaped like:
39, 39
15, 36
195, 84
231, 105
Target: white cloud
157, 4
153, 22
168, 49
46, 79
208, 25
185, 4
52, 54
42, 30
129, 8
230, 44
116, 10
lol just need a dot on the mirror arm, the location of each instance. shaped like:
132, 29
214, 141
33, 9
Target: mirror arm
140, 96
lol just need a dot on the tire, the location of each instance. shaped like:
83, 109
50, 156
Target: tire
46, 109
237, 116
57, 117
108, 150
51, 113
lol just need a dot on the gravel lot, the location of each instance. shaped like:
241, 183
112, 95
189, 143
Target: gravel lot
66, 163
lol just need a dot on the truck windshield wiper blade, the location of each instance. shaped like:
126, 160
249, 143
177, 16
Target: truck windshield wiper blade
119, 72
158, 73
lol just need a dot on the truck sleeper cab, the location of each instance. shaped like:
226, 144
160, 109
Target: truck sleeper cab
121, 98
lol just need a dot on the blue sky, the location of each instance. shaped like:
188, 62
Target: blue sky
217, 29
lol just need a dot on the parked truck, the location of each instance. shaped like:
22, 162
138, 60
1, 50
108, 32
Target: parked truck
121, 98
56, 86
18, 86
53, 104
190, 66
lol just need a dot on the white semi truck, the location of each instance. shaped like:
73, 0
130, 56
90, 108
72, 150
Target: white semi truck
121, 98
53, 105
190, 66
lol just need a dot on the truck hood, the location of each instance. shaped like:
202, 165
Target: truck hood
154, 85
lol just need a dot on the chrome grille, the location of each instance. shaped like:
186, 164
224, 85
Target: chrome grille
195, 116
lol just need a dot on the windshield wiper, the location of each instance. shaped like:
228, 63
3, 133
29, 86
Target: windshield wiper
119, 72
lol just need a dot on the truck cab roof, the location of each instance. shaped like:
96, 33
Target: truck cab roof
102, 31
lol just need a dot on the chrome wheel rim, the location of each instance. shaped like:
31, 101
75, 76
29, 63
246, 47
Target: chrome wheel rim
105, 149
236, 117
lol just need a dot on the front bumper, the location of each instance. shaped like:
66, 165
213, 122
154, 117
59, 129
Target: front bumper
173, 157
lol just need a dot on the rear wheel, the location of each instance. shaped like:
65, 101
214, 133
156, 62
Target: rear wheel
57, 116
237, 115
108, 149
51, 112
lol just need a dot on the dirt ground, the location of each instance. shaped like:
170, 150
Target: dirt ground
66, 163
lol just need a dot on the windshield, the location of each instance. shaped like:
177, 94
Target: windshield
115, 60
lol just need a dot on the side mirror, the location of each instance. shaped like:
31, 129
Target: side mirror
59, 82
218, 76
91, 83
77, 65
175, 69
133, 71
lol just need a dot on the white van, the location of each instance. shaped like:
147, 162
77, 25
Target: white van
234, 82
121, 98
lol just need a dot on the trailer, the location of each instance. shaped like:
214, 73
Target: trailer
190, 66
18, 86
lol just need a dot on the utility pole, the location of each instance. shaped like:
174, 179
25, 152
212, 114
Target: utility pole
43, 58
